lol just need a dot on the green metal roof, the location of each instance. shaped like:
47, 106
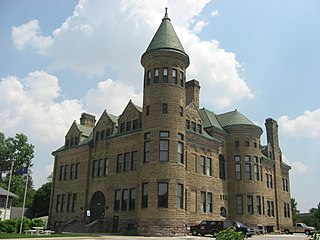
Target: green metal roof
86, 131
166, 38
233, 118
209, 119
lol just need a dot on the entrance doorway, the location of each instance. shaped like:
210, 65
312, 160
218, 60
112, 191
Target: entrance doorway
97, 206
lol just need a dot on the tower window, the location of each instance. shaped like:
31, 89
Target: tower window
146, 156
144, 200
156, 75
163, 194
164, 108
149, 78
164, 150
188, 124
250, 204
181, 111
181, 77
165, 75
180, 196
239, 204
174, 76
180, 148
237, 171
147, 110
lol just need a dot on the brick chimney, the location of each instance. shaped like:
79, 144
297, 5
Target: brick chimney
192, 92
87, 120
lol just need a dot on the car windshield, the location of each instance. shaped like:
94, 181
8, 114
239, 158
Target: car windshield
240, 224
303, 225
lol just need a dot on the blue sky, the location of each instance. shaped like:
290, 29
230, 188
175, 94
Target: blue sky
61, 58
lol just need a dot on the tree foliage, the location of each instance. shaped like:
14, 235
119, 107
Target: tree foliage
41, 200
295, 216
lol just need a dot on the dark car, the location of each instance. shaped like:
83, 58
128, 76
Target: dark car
214, 227
239, 227
207, 227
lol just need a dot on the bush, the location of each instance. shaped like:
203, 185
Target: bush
13, 225
230, 234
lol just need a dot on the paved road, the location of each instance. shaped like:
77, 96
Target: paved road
261, 237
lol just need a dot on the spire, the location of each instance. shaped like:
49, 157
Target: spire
166, 38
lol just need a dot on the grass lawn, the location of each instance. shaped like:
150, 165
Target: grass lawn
17, 235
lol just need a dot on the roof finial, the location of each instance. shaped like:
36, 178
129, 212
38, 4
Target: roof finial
166, 13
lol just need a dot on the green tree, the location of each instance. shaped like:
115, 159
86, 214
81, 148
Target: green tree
41, 200
295, 216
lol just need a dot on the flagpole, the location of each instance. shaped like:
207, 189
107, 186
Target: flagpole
8, 190
24, 200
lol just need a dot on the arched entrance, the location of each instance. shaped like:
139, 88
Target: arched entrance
97, 206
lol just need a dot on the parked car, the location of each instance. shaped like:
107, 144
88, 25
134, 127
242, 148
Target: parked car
214, 227
299, 228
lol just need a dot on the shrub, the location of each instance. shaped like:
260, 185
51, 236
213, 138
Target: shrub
230, 234
13, 225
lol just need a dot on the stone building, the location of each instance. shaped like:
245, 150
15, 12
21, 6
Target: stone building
160, 168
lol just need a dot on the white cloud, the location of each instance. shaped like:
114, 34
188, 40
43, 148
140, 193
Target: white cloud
112, 35
215, 13
112, 96
29, 34
297, 166
306, 125
197, 28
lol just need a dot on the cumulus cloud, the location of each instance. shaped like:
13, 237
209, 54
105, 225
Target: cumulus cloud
110, 36
112, 96
307, 125
215, 13
29, 34
297, 166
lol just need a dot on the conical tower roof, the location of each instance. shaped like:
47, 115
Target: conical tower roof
166, 38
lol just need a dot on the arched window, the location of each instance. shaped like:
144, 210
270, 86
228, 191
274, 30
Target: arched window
223, 212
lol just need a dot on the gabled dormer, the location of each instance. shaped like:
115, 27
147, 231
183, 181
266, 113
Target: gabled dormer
77, 134
194, 122
130, 119
105, 127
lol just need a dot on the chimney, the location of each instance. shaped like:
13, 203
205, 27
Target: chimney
87, 120
192, 92
272, 133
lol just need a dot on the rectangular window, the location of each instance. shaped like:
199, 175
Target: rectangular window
128, 126
203, 202
97, 136
126, 166
122, 126
188, 124
247, 158
202, 167
76, 176
237, 167
256, 172
272, 208
74, 201
174, 76
62, 202
61, 173
165, 75
108, 132
222, 167
147, 110
239, 204
248, 171
72, 170
237, 158
100, 165
94, 168
149, 78
180, 152
288, 210
119, 163
105, 166
269, 208
193, 126
146, 156
258, 202
116, 200
132, 201
69, 202
135, 124
236, 144
102, 135
181, 111
209, 207
209, 166
125, 200
58, 203
66, 172
181, 78
247, 144
286, 185
199, 128
250, 204
164, 108
180, 196
270, 179
156, 75
144, 200
164, 134
163, 194
163, 150
134, 160
267, 180
285, 210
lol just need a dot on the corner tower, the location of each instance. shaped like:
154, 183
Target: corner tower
162, 173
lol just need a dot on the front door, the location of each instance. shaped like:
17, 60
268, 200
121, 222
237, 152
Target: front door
115, 224
97, 206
